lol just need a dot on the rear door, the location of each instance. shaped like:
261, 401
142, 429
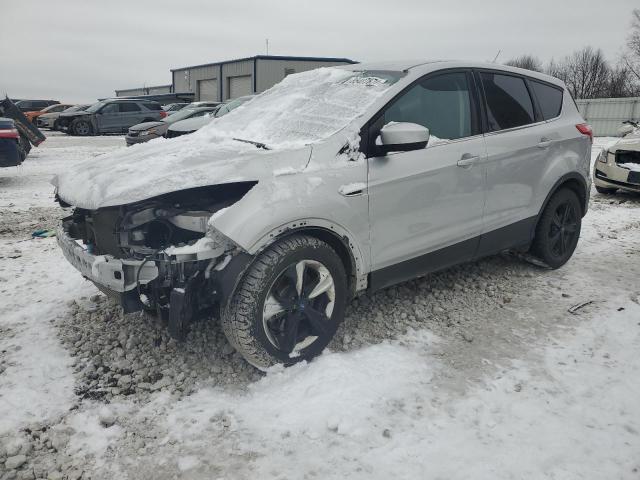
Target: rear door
426, 205
131, 114
518, 142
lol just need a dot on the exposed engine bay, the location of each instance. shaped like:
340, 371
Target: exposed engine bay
160, 254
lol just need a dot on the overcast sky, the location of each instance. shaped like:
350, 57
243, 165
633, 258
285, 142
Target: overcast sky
79, 50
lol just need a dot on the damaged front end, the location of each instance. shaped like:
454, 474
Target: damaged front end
160, 254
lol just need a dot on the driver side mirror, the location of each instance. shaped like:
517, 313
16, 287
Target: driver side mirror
402, 137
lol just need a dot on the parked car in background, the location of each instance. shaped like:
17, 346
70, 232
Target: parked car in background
49, 119
143, 132
202, 104
33, 115
10, 152
174, 107
110, 116
190, 125
618, 167
34, 105
335, 181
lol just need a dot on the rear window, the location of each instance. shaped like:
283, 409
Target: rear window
508, 101
549, 99
153, 106
129, 107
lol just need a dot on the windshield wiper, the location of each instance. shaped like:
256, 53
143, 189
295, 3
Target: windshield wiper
257, 144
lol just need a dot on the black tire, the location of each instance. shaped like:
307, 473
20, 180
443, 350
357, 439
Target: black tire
605, 190
81, 128
265, 340
558, 229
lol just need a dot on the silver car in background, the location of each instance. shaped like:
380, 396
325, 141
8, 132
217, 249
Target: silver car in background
48, 120
618, 167
334, 182
143, 132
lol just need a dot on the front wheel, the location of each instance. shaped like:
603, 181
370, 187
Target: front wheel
558, 229
289, 303
81, 128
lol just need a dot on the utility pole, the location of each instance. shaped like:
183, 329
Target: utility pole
267, 42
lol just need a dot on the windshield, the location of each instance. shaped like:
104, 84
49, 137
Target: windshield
304, 108
185, 113
95, 107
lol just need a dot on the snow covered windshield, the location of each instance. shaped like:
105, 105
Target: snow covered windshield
304, 108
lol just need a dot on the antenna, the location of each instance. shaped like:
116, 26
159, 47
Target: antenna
267, 42
496, 57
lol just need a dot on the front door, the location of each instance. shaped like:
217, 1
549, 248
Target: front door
108, 118
426, 205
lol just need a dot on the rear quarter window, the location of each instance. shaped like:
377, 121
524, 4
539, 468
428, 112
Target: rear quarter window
508, 102
549, 99
153, 106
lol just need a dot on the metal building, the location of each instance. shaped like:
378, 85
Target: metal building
157, 90
605, 115
222, 81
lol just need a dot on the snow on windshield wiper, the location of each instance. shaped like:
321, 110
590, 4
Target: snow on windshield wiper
257, 144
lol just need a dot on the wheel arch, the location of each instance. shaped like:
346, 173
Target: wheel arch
335, 236
574, 182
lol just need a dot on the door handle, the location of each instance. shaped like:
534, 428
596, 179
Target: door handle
544, 142
467, 160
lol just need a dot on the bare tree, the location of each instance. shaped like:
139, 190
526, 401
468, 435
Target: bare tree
621, 83
585, 72
631, 56
528, 62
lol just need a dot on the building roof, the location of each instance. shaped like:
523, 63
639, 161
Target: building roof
270, 57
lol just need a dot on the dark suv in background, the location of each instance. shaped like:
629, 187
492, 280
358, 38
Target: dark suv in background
34, 105
110, 116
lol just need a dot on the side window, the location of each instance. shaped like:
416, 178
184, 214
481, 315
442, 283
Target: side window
153, 106
549, 99
509, 104
129, 107
441, 103
59, 108
110, 108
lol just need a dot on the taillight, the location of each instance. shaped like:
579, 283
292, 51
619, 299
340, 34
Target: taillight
585, 129
163, 114
9, 133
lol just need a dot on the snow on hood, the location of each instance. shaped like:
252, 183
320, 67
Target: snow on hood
630, 142
301, 110
163, 166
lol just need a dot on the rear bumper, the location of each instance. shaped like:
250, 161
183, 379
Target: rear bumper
9, 153
118, 275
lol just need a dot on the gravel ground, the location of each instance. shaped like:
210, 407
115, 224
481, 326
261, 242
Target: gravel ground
128, 375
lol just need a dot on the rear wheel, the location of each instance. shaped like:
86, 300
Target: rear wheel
558, 229
81, 128
289, 304
605, 190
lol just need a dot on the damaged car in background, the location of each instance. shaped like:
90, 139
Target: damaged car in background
618, 167
333, 182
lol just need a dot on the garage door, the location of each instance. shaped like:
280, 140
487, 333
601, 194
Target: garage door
208, 90
240, 86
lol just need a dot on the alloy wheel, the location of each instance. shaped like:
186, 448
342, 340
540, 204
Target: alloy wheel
563, 229
298, 307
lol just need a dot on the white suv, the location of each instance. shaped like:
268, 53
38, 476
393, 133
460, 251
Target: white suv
333, 182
